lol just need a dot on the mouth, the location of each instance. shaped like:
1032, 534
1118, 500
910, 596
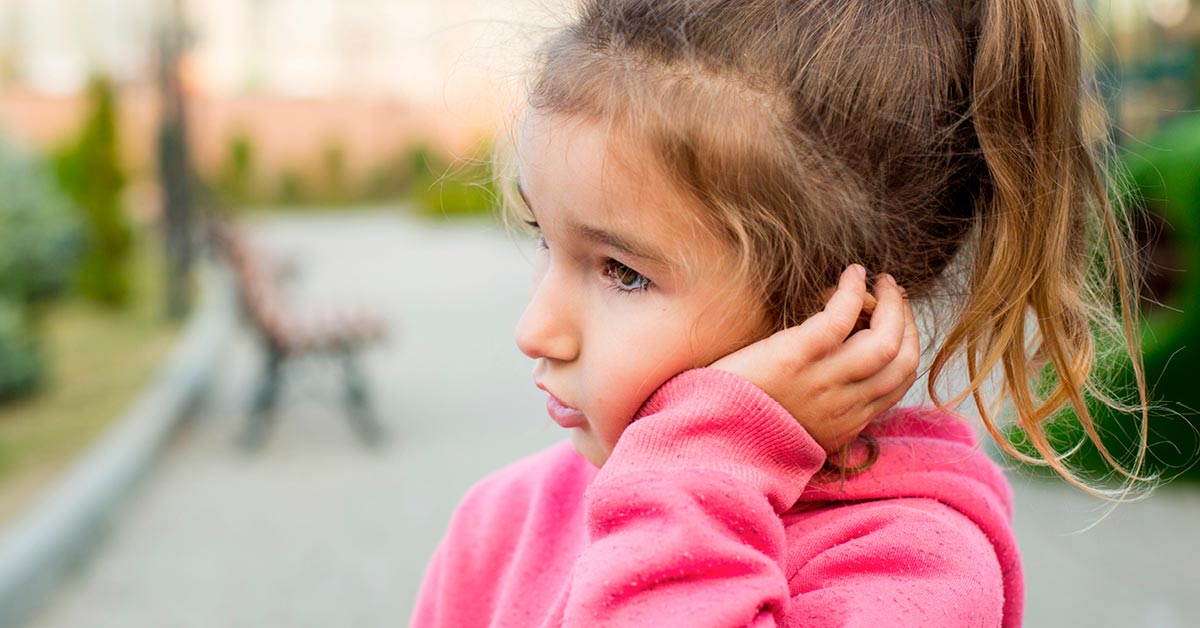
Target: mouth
564, 415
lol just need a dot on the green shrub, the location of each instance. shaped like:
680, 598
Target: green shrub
89, 170
39, 244
437, 186
39, 234
235, 183
333, 166
390, 179
21, 366
291, 188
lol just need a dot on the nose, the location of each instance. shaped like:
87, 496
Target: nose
548, 328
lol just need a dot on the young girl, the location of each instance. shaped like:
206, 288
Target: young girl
704, 174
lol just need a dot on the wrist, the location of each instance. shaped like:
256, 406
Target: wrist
712, 419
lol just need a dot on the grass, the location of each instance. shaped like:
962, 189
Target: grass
99, 359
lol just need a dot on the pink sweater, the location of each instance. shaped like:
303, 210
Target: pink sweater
711, 511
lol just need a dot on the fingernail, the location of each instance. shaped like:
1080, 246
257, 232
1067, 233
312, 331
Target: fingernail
860, 269
890, 279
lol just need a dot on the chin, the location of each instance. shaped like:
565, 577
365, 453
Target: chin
588, 448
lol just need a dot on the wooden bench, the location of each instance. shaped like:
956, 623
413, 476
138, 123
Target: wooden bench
288, 332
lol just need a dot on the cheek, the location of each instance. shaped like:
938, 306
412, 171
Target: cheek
637, 360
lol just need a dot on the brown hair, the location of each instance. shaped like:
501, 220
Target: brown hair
895, 134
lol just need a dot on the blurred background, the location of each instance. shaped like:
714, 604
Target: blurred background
125, 123
325, 165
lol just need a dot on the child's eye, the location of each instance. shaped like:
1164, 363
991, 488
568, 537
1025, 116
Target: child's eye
625, 278
541, 243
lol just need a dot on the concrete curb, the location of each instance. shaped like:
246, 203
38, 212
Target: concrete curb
39, 550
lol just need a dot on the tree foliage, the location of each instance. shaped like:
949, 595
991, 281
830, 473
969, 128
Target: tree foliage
89, 170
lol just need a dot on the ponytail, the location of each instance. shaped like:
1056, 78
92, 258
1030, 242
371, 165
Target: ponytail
1049, 239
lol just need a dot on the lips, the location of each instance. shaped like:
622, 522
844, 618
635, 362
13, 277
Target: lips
564, 415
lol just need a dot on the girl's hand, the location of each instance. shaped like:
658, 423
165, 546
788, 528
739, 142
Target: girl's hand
834, 380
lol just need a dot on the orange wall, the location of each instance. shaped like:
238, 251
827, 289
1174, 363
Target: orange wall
289, 135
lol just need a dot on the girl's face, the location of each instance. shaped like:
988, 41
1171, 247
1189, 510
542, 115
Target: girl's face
627, 291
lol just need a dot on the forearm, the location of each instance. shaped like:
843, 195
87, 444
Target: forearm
684, 516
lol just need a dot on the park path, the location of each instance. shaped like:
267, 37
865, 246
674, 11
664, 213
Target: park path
316, 530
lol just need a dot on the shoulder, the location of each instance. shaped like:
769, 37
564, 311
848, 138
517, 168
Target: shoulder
936, 537
934, 499
508, 496
557, 468
516, 520
913, 557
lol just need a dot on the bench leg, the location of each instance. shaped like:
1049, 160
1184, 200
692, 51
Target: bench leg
358, 402
262, 410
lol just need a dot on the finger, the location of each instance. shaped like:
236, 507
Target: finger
894, 393
900, 372
864, 317
889, 314
870, 350
888, 386
887, 401
897, 375
892, 384
829, 328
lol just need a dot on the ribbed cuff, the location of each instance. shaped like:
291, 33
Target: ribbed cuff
709, 419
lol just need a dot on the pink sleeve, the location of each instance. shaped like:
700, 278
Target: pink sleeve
684, 516
684, 525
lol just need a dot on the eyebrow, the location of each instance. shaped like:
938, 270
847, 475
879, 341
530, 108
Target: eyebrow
608, 238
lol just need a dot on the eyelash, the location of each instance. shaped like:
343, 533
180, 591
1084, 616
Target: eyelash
533, 224
612, 268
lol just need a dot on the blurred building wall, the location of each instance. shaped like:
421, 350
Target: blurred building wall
295, 75
289, 133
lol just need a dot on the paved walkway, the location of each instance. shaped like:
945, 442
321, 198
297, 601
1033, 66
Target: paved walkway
317, 531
